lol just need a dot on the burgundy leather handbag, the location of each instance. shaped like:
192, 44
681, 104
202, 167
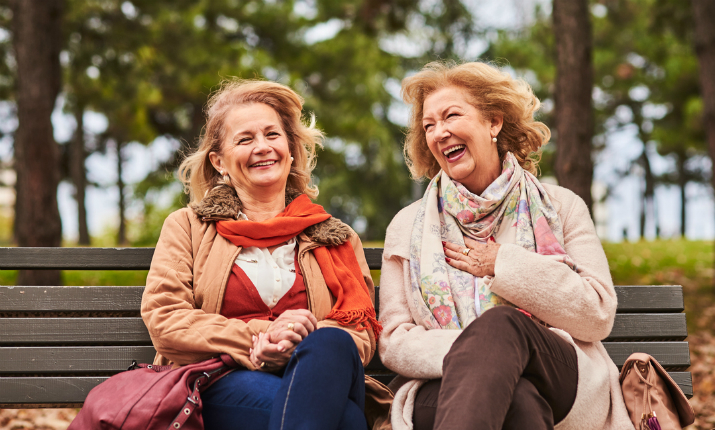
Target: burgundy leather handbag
152, 397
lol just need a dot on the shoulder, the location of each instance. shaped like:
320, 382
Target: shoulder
565, 201
399, 232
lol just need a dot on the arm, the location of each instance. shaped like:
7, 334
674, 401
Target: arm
178, 330
364, 339
405, 347
583, 303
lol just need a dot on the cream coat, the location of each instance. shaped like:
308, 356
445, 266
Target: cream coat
582, 305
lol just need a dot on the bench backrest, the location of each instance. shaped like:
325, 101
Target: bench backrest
56, 343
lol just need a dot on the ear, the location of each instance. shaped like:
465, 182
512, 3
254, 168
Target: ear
496, 124
216, 161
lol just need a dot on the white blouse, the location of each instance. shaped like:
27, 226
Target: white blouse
272, 274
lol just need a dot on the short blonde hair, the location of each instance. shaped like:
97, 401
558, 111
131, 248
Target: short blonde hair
196, 171
493, 93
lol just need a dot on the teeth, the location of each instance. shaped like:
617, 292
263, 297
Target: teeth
265, 163
452, 149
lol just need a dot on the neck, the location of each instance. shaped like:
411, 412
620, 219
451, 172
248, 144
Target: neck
261, 206
482, 177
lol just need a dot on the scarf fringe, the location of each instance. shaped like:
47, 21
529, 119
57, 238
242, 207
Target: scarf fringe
358, 318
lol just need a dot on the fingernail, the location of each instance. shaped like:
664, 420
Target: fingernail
250, 350
448, 260
281, 348
253, 337
444, 243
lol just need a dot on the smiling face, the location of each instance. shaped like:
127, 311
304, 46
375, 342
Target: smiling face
460, 138
255, 152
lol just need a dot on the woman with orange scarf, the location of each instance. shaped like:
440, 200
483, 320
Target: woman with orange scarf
254, 269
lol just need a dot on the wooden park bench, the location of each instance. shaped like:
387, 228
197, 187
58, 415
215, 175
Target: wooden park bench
57, 343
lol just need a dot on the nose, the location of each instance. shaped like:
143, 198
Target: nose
440, 131
262, 145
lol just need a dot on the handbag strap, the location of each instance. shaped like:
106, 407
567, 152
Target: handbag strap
193, 401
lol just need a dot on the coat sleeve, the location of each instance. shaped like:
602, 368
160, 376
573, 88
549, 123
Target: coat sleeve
364, 339
179, 331
406, 347
582, 302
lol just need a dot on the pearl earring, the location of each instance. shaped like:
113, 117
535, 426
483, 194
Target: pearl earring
292, 159
494, 139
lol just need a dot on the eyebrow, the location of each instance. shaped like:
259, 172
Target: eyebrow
443, 110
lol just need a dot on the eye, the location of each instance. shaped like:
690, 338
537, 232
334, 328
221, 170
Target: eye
452, 114
243, 141
273, 134
427, 126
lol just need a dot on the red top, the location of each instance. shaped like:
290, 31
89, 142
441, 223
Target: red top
242, 301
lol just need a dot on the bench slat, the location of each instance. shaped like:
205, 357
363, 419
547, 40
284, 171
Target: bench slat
76, 258
60, 299
16, 391
73, 331
649, 326
82, 359
671, 355
631, 299
131, 331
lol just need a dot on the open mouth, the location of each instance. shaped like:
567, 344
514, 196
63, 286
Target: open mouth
264, 163
454, 152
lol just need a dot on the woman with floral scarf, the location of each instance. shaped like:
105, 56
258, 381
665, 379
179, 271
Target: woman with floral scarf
495, 291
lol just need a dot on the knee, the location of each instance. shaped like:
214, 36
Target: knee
332, 341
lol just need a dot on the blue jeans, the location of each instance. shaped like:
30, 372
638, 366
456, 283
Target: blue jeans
322, 387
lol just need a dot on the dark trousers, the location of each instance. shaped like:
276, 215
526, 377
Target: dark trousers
504, 371
322, 387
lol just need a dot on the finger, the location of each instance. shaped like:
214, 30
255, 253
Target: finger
289, 335
305, 313
452, 246
307, 324
464, 267
454, 255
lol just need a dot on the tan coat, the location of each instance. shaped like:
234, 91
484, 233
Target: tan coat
188, 278
582, 305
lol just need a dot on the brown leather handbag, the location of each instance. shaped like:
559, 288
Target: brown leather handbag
654, 401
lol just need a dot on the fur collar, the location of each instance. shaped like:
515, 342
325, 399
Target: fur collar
223, 203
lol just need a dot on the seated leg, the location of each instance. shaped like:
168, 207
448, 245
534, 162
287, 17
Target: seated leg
242, 399
323, 376
528, 409
487, 361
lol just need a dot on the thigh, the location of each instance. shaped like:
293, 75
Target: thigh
242, 399
425, 408
553, 370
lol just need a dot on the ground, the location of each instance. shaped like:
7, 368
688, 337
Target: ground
680, 262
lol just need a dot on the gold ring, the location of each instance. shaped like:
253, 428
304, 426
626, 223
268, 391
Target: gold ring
290, 326
465, 251
263, 364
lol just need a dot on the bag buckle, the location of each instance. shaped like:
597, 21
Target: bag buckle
133, 366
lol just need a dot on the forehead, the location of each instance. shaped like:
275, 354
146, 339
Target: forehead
250, 116
442, 98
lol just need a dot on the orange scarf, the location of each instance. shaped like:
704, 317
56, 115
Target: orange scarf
338, 264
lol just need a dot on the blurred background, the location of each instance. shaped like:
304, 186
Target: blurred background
100, 99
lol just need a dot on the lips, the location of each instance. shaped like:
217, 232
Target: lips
454, 152
264, 163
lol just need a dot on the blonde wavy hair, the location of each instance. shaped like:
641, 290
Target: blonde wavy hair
196, 171
493, 93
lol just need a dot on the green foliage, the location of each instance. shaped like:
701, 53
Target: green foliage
149, 66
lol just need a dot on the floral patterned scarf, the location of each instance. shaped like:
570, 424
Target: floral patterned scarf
450, 298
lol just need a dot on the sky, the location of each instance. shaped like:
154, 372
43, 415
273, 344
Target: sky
617, 218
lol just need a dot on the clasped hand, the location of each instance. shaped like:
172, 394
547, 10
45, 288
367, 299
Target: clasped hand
272, 349
480, 260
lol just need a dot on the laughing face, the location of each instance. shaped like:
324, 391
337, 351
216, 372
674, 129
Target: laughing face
255, 152
460, 138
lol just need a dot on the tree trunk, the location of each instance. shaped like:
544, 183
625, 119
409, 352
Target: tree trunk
37, 41
122, 234
573, 109
648, 195
682, 183
79, 175
704, 16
